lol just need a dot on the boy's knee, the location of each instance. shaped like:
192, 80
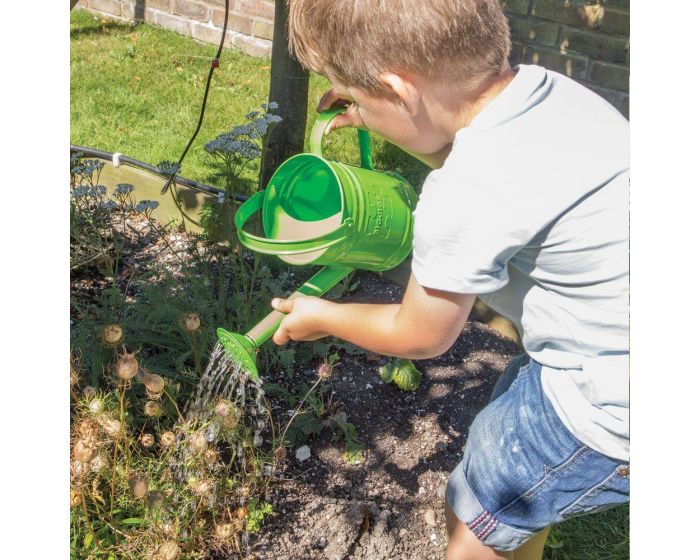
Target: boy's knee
463, 544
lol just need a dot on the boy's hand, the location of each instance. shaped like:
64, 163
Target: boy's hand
302, 320
351, 116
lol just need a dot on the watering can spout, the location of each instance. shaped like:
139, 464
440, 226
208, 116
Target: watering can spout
242, 347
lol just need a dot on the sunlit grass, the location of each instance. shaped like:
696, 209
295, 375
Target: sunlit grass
138, 90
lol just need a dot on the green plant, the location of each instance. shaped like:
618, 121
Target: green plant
402, 372
256, 513
308, 423
234, 150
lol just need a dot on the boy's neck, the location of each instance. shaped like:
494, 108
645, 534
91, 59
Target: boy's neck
460, 107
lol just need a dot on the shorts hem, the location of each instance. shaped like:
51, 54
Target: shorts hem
466, 506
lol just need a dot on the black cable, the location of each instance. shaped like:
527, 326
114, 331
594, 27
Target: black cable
214, 66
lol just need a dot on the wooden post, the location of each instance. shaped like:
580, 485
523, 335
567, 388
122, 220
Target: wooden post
289, 87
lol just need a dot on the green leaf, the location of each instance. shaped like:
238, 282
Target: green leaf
386, 372
133, 521
87, 539
354, 452
406, 375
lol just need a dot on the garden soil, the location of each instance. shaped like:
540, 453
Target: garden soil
390, 506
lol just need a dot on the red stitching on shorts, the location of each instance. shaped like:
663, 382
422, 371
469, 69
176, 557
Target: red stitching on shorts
479, 520
487, 529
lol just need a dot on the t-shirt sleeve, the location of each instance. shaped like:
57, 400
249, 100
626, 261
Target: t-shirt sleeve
465, 234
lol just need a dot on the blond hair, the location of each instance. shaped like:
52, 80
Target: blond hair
354, 41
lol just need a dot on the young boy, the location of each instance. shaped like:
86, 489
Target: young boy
527, 209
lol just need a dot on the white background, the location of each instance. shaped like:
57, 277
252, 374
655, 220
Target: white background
665, 217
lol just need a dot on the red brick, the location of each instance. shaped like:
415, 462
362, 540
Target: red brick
203, 32
594, 45
263, 29
570, 12
112, 7
191, 10
242, 24
174, 23
612, 76
163, 5
571, 66
252, 46
515, 6
258, 8
617, 23
533, 30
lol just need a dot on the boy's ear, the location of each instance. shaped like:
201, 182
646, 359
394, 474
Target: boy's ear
407, 90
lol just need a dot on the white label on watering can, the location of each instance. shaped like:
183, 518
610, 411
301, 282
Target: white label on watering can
292, 229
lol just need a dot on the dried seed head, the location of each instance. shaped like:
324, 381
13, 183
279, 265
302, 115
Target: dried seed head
202, 487
155, 500
127, 366
77, 470
88, 428
74, 376
138, 484
140, 375
325, 370
224, 531
154, 384
112, 427
152, 408
112, 334
76, 498
147, 440
89, 392
168, 529
83, 451
99, 464
167, 439
281, 453
191, 321
198, 442
245, 491
96, 405
224, 408
211, 456
169, 550
241, 512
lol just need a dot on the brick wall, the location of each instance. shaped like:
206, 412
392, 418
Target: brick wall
587, 40
249, 21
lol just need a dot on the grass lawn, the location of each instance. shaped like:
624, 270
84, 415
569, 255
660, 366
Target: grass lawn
138, 90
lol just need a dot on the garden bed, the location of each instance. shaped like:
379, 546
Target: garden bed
391, 505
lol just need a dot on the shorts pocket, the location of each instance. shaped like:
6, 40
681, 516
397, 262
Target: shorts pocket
612, 491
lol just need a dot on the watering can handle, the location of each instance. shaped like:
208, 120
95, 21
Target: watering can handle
283, 246
320, 126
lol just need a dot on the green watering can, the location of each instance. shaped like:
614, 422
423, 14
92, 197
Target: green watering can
317, 211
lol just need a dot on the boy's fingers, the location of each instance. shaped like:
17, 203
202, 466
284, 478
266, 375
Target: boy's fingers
350, 117
281, 336
283, 305
330, 99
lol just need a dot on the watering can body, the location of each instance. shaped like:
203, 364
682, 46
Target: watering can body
324, 212
317, 211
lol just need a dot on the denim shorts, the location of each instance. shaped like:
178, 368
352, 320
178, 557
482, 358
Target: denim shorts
523, 470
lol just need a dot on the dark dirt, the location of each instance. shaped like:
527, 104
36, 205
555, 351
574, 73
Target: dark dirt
390, 506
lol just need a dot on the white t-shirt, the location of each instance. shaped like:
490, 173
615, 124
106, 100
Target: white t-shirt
531, 212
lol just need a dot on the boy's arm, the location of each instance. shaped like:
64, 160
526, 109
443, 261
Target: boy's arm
424, 325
